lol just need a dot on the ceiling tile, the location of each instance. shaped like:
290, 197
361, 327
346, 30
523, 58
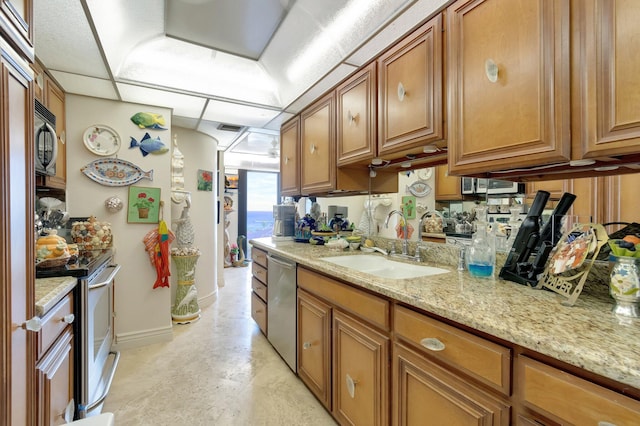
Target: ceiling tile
183, 105
83, 85
242, 27
237, 114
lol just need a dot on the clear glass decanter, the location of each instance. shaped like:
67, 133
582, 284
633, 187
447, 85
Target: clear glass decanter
481, 256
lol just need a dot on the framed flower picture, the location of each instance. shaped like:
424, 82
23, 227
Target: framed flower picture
205, 180
144, 205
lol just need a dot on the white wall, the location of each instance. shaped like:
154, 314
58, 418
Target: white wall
200, 152
356, 203
143, 314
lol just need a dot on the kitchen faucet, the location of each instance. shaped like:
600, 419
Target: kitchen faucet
405, 242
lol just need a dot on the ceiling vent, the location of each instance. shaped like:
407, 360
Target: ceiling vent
229, 127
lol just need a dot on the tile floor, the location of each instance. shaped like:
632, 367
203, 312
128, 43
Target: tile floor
219, 370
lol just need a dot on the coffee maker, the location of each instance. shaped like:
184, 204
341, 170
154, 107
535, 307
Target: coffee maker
284, 221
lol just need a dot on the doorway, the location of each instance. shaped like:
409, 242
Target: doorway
257, 193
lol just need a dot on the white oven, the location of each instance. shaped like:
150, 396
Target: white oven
96, 311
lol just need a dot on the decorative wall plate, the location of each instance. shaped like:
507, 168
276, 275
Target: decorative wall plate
425, 174
101, 140
419, 188
115, 172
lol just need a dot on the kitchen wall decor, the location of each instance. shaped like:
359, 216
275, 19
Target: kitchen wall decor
148, 145
205, 180
149, 120
144, 205
101, 140
115, 172
113, 204
409, 206
177, 173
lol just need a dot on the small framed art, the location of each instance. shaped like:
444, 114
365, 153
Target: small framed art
144, 205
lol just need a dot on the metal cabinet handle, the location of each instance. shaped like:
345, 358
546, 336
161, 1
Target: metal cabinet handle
351, 386
286, 160
34, 324
306, 345
313, 148
433, 344
68, 318
352, 118
402, 92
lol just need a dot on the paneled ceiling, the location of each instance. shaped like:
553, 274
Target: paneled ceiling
232, 69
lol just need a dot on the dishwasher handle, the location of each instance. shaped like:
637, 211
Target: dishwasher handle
281, 262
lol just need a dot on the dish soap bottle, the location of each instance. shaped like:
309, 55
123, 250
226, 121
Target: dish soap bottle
481, 256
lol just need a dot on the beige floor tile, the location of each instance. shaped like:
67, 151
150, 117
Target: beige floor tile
219, 370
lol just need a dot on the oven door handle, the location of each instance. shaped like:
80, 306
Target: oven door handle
113, 273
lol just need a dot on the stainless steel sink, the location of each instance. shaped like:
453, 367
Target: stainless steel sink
383, 267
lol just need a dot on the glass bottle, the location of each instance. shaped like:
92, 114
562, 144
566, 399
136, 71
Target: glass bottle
624, 286
481, 256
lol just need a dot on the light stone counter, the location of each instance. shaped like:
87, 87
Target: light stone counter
50, 291
586, 335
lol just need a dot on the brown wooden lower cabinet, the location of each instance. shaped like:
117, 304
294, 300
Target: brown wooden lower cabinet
425, 393
372, 361
314, 346
360, 372
259, 288
563, 398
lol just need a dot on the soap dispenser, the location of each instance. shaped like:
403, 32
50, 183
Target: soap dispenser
481, 256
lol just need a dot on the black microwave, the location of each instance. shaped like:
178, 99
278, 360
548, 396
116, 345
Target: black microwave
45, 139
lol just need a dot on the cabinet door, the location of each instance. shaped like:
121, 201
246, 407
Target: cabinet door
55, 381
620, 196
410, 90
356, 124
314, 346
605, 78
447, 187
17, 194
54, 100
318, 146
554, 187
360, 373
508, 80
290, 158
17, 25
423, 390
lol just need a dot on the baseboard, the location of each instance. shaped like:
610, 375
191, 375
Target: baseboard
142, 338
208, 299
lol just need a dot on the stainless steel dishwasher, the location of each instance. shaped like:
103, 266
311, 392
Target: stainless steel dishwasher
281, 308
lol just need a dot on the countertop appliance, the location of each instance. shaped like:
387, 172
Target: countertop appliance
284, 221
45, 139
282, 303
495, 186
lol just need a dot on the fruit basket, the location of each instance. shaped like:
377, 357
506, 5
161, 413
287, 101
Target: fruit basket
630, 229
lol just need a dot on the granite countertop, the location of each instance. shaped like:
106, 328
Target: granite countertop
586, 335
50, 291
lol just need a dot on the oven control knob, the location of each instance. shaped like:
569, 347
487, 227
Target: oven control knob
34, 324
68, 318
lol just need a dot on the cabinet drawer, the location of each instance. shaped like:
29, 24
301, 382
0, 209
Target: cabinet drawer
259, 256
486, 361
259, 312
545, 388
259, 272
259, 288
367, 306
54, 322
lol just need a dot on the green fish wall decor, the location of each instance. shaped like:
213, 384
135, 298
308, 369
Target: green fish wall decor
149, 120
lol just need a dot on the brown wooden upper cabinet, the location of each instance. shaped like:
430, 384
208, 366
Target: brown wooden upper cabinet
410, 108
17, 24
605, 77
356, 125
447, 187
290, 157
318, 145
508, 84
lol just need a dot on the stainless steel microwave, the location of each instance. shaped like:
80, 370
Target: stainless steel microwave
474, 185
496, 186
45, 139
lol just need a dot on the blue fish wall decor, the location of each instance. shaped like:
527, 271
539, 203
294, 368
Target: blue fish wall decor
148, 145
149, 120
